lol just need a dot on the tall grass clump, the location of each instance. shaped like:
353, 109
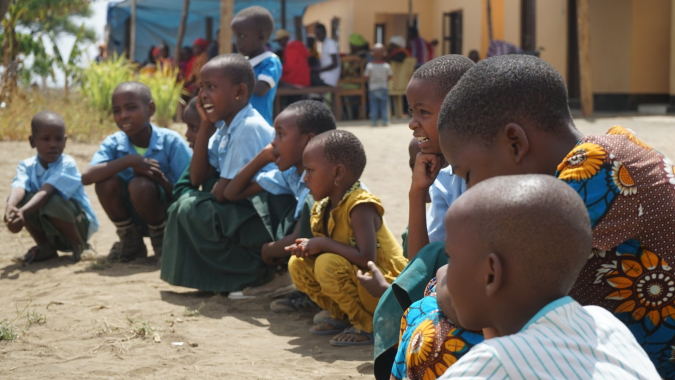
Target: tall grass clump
84, 123
100, 79
166, 91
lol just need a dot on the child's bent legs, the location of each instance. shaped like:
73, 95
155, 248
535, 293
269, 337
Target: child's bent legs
145, 197
60, 223
109, 192
302, 272
337, 279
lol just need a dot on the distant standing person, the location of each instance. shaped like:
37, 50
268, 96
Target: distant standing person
378, 73
419, 48
329, 63
253, 27
198, 60
474, 56
397, 50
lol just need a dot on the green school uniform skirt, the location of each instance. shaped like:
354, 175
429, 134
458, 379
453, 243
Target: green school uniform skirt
56, 207
216, 247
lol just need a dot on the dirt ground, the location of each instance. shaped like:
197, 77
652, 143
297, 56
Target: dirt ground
94, 316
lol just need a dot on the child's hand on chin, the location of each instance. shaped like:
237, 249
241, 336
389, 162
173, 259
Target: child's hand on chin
426, 170
375, 283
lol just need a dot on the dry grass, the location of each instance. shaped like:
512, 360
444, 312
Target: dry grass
83, 123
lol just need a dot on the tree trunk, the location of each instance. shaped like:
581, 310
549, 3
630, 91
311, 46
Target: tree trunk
225, 36
181, 32
8, 84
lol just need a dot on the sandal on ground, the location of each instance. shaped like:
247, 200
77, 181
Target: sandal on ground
295, 301
352, 330
339, 325
35, 254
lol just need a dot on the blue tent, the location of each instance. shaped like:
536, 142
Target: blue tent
157, 21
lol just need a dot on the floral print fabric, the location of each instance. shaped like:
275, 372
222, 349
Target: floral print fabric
629, 191
429, 342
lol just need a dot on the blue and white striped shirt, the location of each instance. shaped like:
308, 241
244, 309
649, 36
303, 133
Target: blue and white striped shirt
562, 341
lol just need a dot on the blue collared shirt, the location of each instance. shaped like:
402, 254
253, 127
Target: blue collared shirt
63, 175
267, 68
445, 189
166, 146
232, 147
286, 182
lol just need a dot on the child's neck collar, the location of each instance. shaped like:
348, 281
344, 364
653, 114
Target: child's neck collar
143, 137
230, 118
256, 53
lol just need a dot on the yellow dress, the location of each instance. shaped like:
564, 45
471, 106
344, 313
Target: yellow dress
330, 279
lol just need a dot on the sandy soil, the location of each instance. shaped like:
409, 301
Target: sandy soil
93, 316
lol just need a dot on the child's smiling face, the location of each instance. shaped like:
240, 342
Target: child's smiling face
220, 98
289, 142
131, 112
191, 118
248, 37
49, 140
319, 172
425, 104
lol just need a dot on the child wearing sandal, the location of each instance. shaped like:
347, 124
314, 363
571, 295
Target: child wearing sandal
348, 232
47, 196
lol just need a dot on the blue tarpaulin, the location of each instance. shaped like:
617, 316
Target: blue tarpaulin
157, 21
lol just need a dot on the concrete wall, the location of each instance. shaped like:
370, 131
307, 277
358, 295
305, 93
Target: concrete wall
552, 33
650, 47
611, 30
471, 15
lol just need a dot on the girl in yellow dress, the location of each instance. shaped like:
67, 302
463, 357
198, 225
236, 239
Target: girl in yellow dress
348, 232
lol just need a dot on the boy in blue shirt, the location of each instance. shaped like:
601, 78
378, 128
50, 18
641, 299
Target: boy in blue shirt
252, 28
48, 198
135, 170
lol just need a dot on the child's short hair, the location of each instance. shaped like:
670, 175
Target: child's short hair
237, 68
444, 72
505, 89
312, 116
43, 118
140, 89
342, 147
192, 103
535, 222
258, 16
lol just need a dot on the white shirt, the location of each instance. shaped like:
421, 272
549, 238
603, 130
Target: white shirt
562, 341
329, 47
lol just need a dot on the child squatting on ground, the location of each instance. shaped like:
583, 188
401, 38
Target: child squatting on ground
378, 73
47, 196
516, 245
252, 28
134, 172
348, 232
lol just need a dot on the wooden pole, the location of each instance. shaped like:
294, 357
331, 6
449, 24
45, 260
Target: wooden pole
132, 32
585, 77
410, 13
181, 31
283, 14
225, 36
489, 19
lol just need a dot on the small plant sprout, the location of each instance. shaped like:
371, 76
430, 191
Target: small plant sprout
7, 331
194, 312
141, 328
36, 317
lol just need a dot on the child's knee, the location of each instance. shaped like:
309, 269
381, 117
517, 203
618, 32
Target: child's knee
142, 188
329, 267
57, 207
108, 188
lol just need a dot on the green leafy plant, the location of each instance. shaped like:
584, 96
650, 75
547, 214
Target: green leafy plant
194, 312
36, 317
166, 91
7, 331
100, 79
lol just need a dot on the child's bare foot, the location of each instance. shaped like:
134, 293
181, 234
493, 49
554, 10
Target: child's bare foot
35, 254
330, 326
376, 284
352, 337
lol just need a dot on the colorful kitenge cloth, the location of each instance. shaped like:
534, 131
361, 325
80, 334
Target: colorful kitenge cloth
629, 190
429, 342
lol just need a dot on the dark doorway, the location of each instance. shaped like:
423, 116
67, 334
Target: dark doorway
528, 25
452, 33
573, 82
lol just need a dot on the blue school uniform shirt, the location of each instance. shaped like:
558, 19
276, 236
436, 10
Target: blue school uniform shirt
267, 68
445, 189
63, 175
233, 146
167, 147
287, 182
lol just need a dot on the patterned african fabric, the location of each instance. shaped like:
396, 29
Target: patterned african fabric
429, 342
629, 190
198, 62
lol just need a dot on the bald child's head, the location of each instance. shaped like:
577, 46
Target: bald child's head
515, 244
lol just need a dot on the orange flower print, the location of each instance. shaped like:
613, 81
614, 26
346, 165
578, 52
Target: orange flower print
623, 180
622, 131
670, 170
644, 287
582, 163
421, 344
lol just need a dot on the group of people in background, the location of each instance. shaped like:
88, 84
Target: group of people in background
528, 218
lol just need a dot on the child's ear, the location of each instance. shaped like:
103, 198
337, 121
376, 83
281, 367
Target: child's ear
32, 141
308, 137
516, 137
151, 108
340, 173
242, 91
493, 278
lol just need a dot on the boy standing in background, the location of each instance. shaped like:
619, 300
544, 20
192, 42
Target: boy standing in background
378, 73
